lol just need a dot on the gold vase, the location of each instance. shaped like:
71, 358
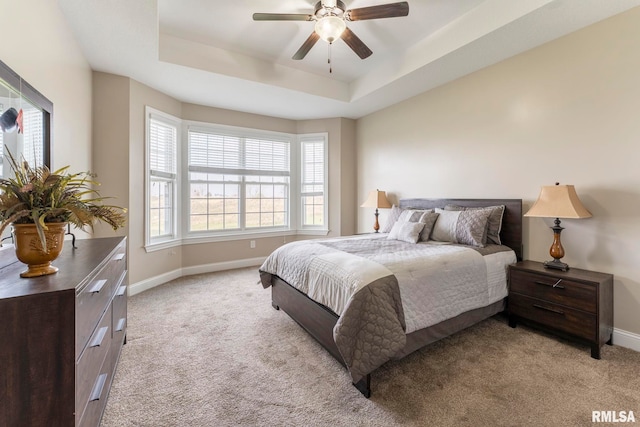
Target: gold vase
29, 248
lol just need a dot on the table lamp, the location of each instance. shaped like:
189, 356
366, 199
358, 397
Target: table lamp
558, 201
377, 199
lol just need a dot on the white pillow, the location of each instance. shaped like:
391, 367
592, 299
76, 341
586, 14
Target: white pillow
444, 230
406, 231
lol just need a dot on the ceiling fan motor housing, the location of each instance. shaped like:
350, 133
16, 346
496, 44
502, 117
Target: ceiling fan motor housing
321, 11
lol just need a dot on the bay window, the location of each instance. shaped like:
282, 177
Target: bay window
234, 182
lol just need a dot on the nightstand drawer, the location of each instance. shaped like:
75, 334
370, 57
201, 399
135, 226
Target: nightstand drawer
558, 317
569, 293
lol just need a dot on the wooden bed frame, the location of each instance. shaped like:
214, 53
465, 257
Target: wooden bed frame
319, 320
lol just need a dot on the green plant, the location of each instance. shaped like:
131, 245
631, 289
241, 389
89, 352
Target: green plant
37, 195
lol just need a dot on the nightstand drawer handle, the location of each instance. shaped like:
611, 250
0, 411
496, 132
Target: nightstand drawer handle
549, 309
555, 285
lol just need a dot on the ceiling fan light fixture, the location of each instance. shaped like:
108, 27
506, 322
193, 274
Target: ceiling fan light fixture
330, 28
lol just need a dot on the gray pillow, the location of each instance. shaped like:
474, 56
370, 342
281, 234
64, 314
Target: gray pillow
412, 215
406, 231
429, 219
466, 227
494, 225
391, 220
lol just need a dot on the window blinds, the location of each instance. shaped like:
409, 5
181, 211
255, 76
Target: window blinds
230, 154
162, 149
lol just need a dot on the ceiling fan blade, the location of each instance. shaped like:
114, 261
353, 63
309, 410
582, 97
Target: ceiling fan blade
356, 44
390, 10
306, 46
282, 17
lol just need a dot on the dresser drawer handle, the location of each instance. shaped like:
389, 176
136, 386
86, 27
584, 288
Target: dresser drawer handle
120, 326
97, 388
549, 309
121, 290
555, 285
99, 337
98, 286
119, 257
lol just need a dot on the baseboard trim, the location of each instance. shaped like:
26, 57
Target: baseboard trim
152, 282
221, 266
626, 339
161, 279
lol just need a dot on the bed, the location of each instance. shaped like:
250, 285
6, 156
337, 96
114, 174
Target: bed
360, 319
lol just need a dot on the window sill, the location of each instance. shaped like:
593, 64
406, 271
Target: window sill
213, 238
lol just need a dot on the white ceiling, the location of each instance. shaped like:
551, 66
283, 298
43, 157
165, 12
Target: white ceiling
211, 52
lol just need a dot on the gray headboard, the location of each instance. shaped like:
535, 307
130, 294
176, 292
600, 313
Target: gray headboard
511, 232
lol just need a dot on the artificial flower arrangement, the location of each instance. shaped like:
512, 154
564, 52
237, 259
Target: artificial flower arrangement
35, 195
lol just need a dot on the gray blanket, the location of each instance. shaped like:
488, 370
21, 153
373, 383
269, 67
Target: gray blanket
371, 327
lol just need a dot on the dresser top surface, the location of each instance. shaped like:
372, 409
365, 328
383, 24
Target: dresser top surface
75, 265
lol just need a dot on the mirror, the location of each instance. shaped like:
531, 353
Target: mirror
25, 121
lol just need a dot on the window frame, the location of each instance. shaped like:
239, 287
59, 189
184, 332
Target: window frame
313, 138
193, 237
174, 237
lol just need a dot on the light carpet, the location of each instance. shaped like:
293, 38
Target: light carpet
209, 350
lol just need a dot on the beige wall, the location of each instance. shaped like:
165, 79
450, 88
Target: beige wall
42, 50
564, 112
111, 143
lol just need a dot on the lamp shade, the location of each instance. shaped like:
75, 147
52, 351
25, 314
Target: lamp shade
558, 201
376, 199
330, 28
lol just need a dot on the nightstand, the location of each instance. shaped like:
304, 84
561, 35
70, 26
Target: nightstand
575, 304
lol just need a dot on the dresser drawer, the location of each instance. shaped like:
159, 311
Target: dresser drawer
556, 290
96, 295
91, 361
555, 316
98, 397
119, 322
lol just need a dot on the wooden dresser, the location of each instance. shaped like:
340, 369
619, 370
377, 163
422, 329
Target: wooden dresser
575, 303
61, 335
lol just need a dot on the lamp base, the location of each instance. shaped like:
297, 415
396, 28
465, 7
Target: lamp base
557, 265
376, 225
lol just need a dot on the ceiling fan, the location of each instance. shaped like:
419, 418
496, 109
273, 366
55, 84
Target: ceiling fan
331, 17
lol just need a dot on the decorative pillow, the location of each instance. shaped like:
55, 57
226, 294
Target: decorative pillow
467, 227
429, 219
495, 220
391, 220
406, 231
412, 215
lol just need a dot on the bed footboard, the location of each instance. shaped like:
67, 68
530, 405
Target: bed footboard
316, 319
